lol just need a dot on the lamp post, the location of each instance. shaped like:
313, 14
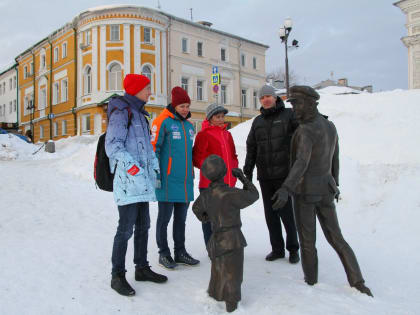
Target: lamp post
284, 35
31, 108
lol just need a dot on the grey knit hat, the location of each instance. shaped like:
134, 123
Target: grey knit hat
267, 90
214, 109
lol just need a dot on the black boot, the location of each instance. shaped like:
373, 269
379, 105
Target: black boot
362, 288
120, 284
274, 255
231, 306
294, 257
146, 274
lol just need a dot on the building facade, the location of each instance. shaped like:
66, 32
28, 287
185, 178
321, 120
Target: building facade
9, 106
66, 79
411, 9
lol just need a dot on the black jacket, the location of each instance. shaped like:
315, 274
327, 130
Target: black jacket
314, 157
268, 143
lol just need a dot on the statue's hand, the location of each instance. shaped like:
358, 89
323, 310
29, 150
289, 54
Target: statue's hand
280, 198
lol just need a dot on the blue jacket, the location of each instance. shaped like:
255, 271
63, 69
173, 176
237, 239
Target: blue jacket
128, 147
172, 139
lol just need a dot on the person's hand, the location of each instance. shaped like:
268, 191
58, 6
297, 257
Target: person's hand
280, 198
237, 172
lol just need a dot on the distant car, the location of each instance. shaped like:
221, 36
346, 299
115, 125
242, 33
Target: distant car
3, 132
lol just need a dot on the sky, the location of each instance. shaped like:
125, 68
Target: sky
359, 40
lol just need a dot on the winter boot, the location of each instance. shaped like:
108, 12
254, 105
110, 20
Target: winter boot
167, 262
120, 284
294, 257
186, 259
146, 274
362, 288
275, 255
231, 306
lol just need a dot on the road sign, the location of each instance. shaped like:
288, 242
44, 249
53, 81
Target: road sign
215, 88
215, 79
215, 69
51, 116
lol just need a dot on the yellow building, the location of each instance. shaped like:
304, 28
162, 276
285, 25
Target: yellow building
65, 78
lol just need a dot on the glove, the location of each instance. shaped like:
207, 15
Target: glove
237, 172
280, 198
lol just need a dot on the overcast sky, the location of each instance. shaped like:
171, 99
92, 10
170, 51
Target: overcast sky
358, 40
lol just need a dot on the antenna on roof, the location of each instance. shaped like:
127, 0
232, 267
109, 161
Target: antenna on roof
159, 5
191, 14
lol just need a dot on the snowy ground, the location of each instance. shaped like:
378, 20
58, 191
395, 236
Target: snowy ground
56, 229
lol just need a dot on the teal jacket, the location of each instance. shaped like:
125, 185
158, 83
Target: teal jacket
172, 140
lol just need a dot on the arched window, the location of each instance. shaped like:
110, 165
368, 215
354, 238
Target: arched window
114, 79
146, 71
87, 81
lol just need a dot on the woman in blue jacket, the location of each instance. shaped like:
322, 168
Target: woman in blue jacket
172, 139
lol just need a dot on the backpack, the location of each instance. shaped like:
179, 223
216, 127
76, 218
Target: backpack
104, 179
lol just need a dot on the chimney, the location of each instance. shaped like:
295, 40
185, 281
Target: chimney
205, 23
342, 82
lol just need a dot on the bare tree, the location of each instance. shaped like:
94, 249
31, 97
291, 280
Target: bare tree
279, 74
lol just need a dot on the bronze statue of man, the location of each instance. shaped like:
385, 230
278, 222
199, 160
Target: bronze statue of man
220, 205
313, 181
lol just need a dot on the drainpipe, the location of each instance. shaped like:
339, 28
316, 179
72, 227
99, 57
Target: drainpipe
32, 109
75, 82
17, 96
51, 79
168, 62
239, 80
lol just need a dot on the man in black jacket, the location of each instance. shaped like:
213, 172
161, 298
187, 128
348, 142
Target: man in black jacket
313, 181
268, 145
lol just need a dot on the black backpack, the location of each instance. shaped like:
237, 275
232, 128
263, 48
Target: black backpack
104, 179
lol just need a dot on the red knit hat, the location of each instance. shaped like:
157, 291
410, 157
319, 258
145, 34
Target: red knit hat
134, 83
179, 96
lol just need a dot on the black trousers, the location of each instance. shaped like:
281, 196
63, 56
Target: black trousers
307, 208
272, 218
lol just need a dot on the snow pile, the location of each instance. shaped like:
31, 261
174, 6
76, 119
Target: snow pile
56, 229
12, 147
339, 90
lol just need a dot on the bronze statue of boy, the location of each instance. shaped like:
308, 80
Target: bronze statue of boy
220, 205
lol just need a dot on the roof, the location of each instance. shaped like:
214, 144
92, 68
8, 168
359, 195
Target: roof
8, 67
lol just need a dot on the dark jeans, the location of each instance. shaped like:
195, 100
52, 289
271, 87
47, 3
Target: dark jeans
306, 210
178, 231
206, 226
268, 188
137, 215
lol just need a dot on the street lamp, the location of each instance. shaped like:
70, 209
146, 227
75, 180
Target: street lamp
284, 35
31, 108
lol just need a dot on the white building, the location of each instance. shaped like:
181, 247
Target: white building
8, 98
411, 9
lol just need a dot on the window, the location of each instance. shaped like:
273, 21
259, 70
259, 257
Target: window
200, 49
55, 93
4, 87
87, 81
86, 123
14, 106
64, 90
184, 84
88, 39
223, 54
223, 94
242, 60
55, 129
184, 45
10, 107
1, 90
147, 37
199, 90
64, 50
25, 72
243, 98
42, 98
114, 79
55, 54
10, 84
115, 32
43, 62
41, 132
146, 71
64, 127
254, 62
32, 68
14, 82
255, 99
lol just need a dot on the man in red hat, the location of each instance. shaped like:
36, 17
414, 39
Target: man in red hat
136, 168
